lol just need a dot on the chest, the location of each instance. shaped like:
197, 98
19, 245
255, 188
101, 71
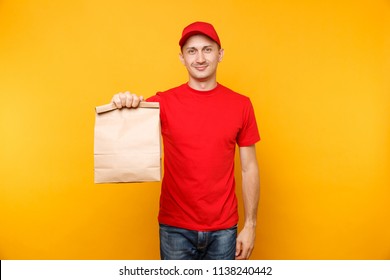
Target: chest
206, 121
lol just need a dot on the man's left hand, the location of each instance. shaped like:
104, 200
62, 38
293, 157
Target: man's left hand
245, 243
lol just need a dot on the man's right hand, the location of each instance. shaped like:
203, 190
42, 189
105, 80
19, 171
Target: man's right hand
126, 99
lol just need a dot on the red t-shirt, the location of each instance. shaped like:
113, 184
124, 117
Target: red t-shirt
200, 130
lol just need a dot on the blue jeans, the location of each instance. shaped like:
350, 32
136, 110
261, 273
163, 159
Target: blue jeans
182, 244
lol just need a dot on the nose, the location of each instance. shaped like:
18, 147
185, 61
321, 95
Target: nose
200, 58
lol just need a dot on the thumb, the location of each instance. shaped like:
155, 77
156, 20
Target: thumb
238, 248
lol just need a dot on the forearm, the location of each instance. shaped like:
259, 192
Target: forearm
250, 184
251, 194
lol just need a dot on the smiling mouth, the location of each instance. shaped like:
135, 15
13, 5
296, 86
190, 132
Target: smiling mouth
201, 68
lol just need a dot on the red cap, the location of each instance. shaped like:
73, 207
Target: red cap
199, 27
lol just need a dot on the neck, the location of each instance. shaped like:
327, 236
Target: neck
202, 85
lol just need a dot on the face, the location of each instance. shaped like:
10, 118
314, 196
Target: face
201, 55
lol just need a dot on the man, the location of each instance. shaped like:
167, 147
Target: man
201, 123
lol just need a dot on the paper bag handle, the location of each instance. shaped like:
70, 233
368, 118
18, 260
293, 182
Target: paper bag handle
111, 106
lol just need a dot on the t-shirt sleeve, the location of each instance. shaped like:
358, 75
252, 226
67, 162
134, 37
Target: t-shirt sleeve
154, 98
249, 133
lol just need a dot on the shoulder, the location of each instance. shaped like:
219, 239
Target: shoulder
233, 95
161, 95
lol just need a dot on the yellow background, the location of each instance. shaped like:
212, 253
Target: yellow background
317, 73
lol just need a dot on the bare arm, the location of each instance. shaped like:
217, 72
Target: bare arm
250, 193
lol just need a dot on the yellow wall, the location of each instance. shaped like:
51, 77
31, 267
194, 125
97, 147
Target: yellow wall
316, 71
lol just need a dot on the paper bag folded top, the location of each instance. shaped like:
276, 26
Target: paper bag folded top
127, 145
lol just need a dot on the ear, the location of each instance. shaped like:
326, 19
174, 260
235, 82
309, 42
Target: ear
221, 53
181, 57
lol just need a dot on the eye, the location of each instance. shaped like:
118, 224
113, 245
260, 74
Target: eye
208, 50
191, 51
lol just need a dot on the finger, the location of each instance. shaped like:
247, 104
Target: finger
247, 252
135, 101
116, 100
128, 99
238, 249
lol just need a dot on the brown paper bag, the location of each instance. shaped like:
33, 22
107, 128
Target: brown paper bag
127, 143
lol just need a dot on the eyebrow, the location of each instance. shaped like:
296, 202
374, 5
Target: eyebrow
204, 47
